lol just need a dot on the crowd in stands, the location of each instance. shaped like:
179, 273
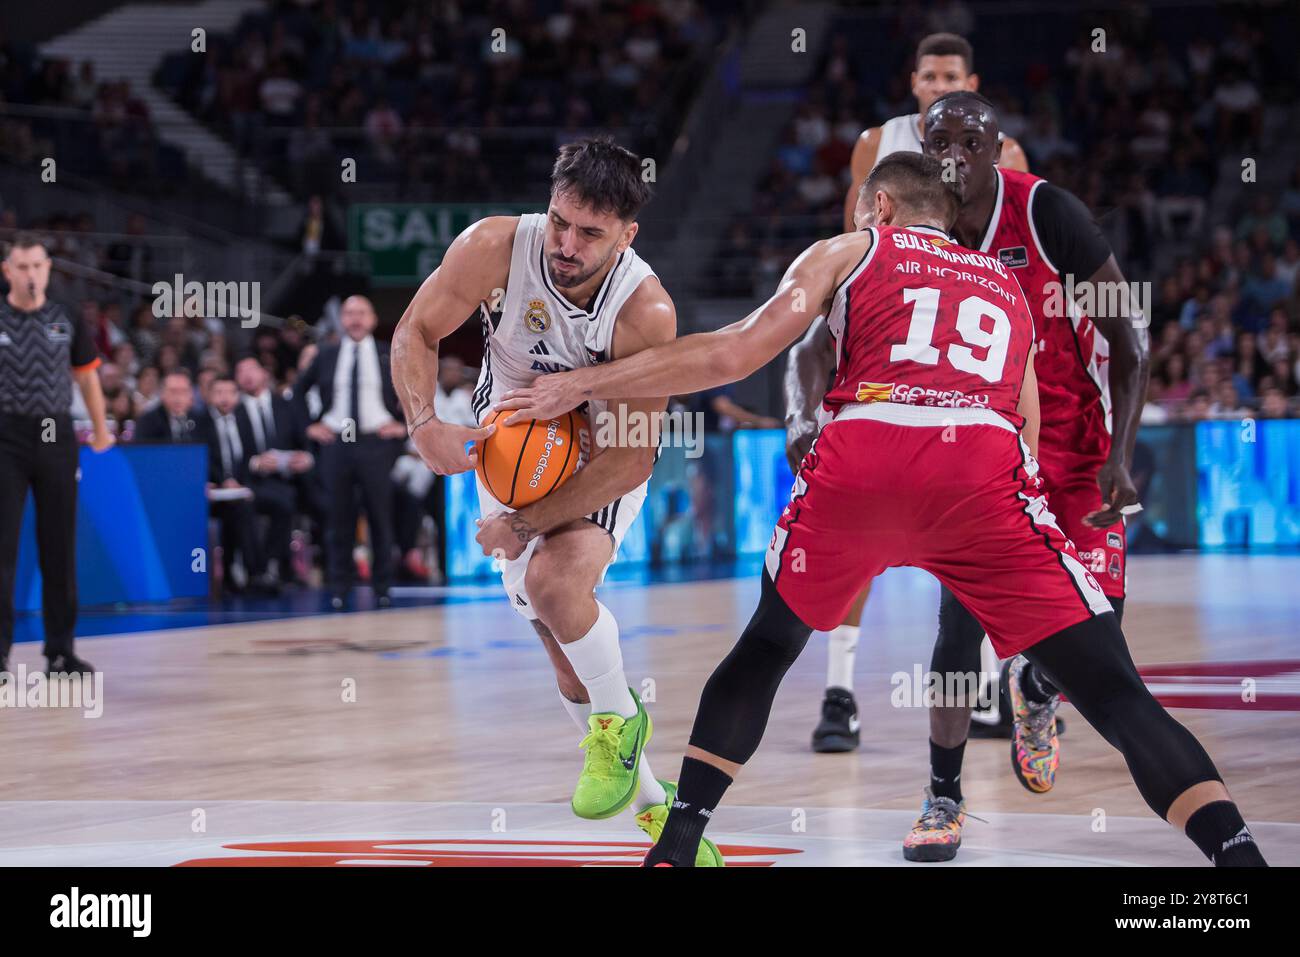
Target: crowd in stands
446, 100
1136, 132
97, 128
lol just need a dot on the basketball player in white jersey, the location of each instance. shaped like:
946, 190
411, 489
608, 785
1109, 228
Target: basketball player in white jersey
944, 63
556, 291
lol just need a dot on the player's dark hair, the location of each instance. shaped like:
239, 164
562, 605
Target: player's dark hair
180, 371
915, 182
24, 240
602, 175
946, 44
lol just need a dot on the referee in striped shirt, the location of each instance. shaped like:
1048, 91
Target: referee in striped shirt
39, 343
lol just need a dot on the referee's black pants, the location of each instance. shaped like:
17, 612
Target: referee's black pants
40, 453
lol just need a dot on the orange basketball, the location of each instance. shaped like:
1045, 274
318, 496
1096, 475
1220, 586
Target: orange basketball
527, 461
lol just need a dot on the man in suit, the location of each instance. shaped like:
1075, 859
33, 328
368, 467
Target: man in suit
360, 430
172, 420
229, 435
278, 457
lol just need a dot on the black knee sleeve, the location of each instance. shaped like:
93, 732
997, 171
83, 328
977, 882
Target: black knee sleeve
737, 699
957, 650
1090, 662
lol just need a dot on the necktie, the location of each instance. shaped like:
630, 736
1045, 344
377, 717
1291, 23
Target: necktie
227, 451
354, 395
268, 426
177, 429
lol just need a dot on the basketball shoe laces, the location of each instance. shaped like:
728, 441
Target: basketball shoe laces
601, 745
1039, 724
940, 812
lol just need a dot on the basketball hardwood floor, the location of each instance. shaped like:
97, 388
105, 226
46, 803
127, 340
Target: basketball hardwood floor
434, 736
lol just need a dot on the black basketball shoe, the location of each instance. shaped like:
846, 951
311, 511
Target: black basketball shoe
69, 664
838, 730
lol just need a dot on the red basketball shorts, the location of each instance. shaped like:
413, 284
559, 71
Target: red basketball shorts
954, 492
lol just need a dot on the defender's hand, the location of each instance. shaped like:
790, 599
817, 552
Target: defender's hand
799, 435
1117, 493
547, 397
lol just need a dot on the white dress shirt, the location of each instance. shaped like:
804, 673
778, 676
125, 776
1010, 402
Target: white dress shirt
373, 414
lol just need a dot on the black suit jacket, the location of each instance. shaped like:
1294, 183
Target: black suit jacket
155, 426
321, 374
239, 470
289, 436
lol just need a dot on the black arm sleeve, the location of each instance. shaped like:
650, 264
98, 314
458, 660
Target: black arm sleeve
1070, 236
82, 350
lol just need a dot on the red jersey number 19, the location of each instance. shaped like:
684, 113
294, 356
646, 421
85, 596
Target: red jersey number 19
971, 313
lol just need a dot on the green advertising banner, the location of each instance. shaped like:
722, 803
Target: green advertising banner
406, 241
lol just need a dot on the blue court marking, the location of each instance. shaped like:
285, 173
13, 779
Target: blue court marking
302, 603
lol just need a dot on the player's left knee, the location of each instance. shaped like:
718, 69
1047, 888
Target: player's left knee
554, 589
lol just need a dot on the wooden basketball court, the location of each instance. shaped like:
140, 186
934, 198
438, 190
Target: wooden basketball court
434, 735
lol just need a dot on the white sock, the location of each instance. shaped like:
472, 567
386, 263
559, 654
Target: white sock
841, 648
649, 791
579, 711
598, 662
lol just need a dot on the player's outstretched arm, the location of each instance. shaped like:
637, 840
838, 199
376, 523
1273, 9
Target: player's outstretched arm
1130, 371
808, 368
474, 270
708, 359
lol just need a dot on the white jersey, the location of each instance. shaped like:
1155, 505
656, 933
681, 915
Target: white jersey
900, 135
538, 331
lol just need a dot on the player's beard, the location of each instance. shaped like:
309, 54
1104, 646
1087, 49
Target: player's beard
576, 278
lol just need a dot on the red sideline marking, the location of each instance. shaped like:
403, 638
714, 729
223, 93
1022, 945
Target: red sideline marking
1217, 685
477, 853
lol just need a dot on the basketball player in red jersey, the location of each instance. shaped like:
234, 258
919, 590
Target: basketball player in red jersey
1092, 373
922, 464
944, 64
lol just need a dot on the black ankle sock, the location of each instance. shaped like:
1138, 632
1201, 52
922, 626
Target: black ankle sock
699, 792
1218, 830
1035, 685
945, 771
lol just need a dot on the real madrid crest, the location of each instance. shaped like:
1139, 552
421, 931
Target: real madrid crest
537, 319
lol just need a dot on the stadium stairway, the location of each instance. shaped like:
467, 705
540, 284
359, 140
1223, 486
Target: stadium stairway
128, 42
742, 112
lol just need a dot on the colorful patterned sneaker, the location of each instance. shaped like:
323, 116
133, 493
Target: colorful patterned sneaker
614, 745
1035, 746
652, 819
936, 835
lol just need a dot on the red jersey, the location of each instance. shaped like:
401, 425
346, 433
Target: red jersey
923, 321
1073, 379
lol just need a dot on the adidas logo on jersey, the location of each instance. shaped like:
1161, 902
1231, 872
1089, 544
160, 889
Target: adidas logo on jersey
545, 367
